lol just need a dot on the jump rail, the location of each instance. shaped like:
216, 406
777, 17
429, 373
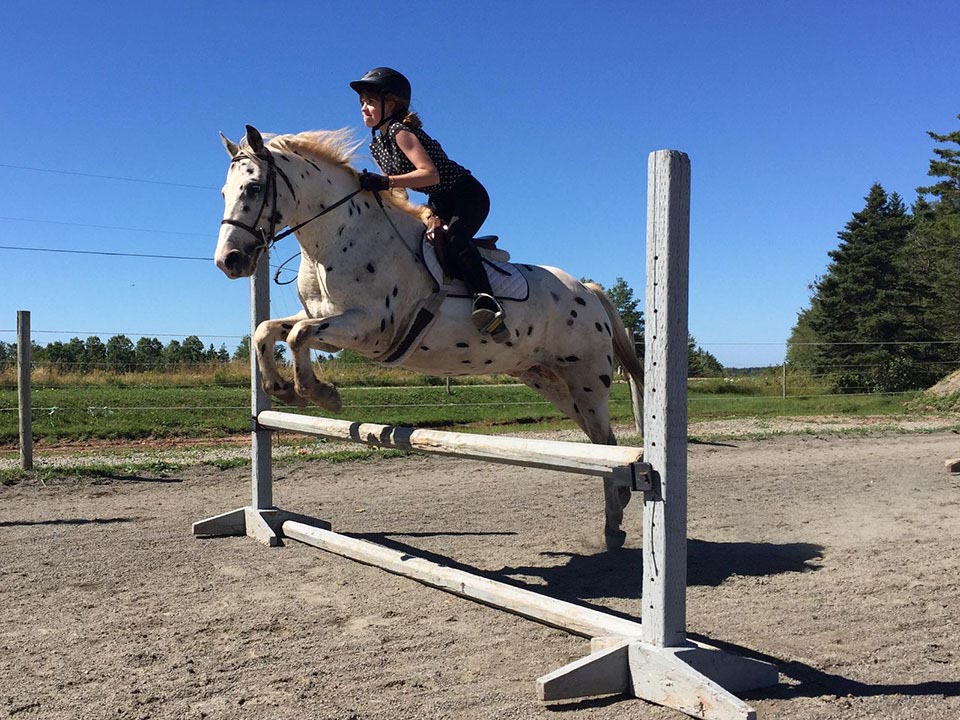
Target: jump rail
613, 461
653, 660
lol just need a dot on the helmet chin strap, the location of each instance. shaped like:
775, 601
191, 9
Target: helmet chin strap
383, 117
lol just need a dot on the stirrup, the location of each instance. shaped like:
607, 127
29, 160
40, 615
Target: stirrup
489, 320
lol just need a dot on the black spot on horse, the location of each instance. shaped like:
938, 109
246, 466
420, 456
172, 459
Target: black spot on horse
287, 327
536, 386
572, 358
508, 343
528, 268
394, 290
576, 409
609, 361
570, 321
329, 268
246, 208
487, 362
388, 301
588, 389
529, 330
463, 345
391, 318
383, 324
340, 229
592, 411
556, 298
573, 313
607, 328
517, 331
424, 348
343, 249
465, 362
580, 301
367, 204
605, 379
370, 268
324, 326
598, 326
350, 211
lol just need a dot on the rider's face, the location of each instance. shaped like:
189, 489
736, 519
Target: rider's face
372, 108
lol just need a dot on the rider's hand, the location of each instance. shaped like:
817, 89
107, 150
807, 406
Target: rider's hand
373, 182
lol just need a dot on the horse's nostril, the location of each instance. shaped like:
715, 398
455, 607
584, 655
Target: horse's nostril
233, 261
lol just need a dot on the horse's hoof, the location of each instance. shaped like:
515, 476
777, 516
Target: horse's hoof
614, 539
328, 398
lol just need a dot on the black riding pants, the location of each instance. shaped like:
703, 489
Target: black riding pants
464, 208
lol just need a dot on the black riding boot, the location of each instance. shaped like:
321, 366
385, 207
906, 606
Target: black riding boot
488, 314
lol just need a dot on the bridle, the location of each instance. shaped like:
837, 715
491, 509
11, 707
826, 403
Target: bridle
267, 238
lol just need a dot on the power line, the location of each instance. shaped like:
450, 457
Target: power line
105, 227
108, 177
104, 252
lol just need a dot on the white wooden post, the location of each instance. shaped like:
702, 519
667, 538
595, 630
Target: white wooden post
665, 400
25, 403
662, 665
260, 520
262, 484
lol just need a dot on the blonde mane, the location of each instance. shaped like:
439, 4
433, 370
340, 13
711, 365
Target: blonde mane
340, 147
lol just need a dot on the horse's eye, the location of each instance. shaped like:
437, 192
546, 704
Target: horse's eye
254, 189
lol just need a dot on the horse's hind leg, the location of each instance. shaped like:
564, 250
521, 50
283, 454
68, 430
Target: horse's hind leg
586, 403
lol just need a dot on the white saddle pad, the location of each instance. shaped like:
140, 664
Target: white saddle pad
506, 281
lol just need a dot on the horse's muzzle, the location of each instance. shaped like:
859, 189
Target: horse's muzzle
235, 264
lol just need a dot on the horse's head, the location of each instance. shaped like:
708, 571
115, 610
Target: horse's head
251, 212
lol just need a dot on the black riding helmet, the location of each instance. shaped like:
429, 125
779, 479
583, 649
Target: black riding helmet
383, 80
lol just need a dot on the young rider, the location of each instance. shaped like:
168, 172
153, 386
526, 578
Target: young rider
412, 159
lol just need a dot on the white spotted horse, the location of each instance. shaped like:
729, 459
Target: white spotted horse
365, 286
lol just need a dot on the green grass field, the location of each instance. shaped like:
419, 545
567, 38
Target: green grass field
134, 411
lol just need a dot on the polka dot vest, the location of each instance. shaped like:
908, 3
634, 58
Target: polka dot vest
392, 161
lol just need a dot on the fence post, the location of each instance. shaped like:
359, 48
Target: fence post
23, 389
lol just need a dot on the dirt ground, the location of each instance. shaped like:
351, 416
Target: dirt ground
836, 557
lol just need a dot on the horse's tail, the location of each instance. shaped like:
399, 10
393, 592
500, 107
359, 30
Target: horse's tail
623, 348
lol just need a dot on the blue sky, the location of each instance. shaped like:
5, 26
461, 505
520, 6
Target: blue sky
788, 110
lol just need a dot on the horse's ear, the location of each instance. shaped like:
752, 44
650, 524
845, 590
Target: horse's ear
254, 139
231, 146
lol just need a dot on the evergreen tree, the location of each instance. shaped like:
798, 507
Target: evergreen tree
700, 363
867, 307
242, 353
148, 353
94, 353
120, 354
935, 245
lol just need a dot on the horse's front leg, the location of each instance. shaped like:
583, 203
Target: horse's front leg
319, 333
265, 337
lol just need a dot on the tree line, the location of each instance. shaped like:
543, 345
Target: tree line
885, 316
120, 354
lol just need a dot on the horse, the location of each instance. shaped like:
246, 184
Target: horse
365, 285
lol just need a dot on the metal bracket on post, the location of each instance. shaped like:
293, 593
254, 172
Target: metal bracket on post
642, 477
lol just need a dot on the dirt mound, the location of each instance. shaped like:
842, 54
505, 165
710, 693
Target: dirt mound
950, 385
